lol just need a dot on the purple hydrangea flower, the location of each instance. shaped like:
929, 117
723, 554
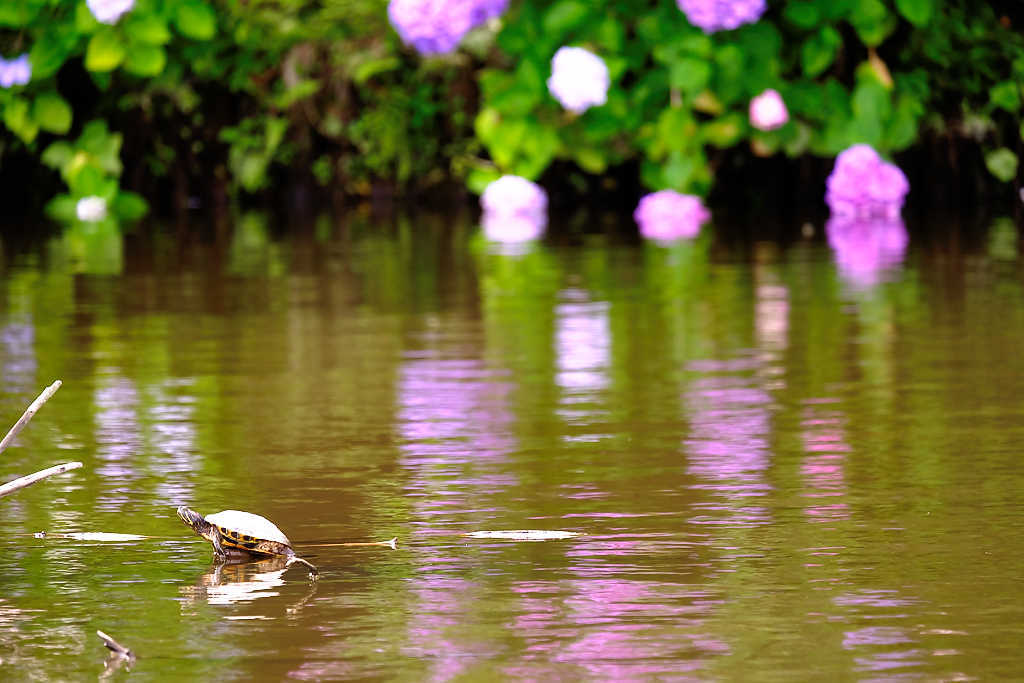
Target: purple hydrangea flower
109, 11
718, 15
866, 249
435, 27
17, 71
666, 216
862, 185
485, 10
579, 79
515, 209
768, 111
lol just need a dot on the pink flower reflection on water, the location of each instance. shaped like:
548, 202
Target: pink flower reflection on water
823, 468
456, 432
866, 250
615, 628
441, 604
727, 449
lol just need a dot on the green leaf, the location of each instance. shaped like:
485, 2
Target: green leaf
58, 155
564, 16
49, 51
146, 28
145, 60
18, 119
104, 52
52, 113
1006, 95
917, 12
678, 170
372, 67
818, 51
195, 19
590, 160
724, 131
129, 206
802, 14
871, 108
62, 208
872, 21
1002, 163
18, 13
689, 75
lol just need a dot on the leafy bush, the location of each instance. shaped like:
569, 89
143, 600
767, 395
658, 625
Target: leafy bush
238, 94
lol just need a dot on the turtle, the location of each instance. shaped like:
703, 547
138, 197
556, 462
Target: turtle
239, 534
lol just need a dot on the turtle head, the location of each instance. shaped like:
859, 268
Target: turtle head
195, 521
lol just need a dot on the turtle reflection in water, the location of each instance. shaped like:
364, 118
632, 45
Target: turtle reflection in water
242, 534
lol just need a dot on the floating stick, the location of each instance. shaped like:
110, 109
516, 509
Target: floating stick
393, 544
29, 479
29, 412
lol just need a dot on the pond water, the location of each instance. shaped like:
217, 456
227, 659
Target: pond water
784, 461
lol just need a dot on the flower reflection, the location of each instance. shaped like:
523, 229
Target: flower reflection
583, 348
607, 626
124, 421
17, 341
865, 250
728, 445
824, 466
514, 210
119, 440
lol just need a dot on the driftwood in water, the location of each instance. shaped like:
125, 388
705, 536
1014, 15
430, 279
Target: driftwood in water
114, 646
119, 656
29, 479
29, 412
20, 483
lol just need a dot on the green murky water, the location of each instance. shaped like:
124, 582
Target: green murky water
786, 462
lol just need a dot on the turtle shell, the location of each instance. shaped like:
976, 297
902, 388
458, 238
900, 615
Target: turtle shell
250, 533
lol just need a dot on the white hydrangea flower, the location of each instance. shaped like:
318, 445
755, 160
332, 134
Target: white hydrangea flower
579, 79
91, 209
768, 111
109, 11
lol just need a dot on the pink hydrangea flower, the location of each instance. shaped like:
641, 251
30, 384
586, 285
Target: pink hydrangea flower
579, 79
17, 71
515, 210
718, 15
666, 216
109, 11
435, 27
862, 185
768, 111
866, 249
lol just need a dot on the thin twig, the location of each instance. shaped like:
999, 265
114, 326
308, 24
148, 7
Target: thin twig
29, 479
29, 412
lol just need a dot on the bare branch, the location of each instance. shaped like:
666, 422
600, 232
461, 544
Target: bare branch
29, 479
29, 412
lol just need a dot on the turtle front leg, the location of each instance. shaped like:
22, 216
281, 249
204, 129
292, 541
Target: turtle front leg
218, 549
